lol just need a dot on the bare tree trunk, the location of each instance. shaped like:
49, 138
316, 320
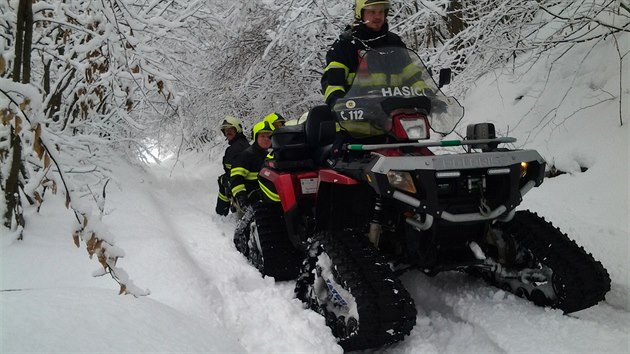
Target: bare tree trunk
620, 79
21, 73
455, 22
23, 39
46, 78
19, 42
12, 192
28, 40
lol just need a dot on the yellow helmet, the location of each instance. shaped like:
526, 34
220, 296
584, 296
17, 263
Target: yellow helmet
274, 117
261, 127
232, 122
359, 5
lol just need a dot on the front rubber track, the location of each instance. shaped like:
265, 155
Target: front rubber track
580, 281
386, 310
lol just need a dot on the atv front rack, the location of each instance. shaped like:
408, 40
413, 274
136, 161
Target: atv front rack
442, 143
457, 188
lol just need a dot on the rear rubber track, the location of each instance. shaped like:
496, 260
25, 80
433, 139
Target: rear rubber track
273, 253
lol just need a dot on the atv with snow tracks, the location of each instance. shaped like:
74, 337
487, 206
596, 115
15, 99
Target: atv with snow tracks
360, 193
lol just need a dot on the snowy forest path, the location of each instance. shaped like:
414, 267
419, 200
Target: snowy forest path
455, 311
262, 313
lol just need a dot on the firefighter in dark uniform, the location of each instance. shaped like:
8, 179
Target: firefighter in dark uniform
345, 61
369, 30
233, 131
244, 173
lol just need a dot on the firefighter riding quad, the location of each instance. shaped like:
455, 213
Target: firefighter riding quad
358, 193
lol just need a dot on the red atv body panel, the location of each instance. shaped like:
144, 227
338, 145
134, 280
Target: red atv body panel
291, 186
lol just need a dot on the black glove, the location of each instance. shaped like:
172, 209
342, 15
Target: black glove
332, 99
241, 200
223, 184
223, 208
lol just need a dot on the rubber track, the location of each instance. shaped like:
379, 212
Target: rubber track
583, 280
279, 258
241, 233
386, 310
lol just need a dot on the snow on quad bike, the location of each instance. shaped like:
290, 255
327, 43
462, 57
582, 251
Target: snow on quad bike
355, 195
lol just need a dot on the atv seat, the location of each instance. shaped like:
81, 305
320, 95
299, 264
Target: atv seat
320, 128
289, 143
290, 149
305, 145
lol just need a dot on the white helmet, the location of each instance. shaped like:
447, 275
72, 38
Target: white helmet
232, 122
359, 5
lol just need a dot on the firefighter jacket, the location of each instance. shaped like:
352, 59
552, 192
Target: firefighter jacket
342, 59
244, 173
237, 145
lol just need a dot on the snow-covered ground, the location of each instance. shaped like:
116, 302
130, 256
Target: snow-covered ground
205, 297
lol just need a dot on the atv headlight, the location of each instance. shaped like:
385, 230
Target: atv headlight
402, 181
524, 167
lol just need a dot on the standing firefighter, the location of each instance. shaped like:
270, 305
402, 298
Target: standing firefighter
244, 174
233, 131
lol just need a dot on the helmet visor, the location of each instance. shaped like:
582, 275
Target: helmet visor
378, 6
375, 2
226, 125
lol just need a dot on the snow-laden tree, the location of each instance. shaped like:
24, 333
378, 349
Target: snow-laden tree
80, 79
262, 57
269, 55
475, 37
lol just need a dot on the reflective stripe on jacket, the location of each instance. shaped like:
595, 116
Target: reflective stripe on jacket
244, 173
342, 59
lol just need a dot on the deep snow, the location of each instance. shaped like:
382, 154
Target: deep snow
206, 298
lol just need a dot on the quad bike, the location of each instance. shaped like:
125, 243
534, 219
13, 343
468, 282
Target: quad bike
360, 193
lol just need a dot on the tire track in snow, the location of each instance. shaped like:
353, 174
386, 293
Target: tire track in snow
173, 277
510, 324
438, 327
262, 313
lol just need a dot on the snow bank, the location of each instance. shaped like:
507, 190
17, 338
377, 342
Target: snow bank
88, 320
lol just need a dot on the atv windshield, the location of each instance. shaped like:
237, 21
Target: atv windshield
389, 79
